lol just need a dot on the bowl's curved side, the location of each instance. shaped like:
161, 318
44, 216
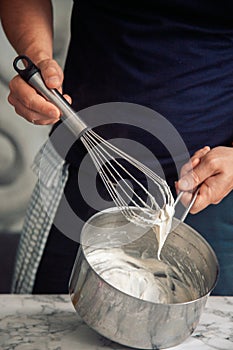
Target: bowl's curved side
134, 322
127, 320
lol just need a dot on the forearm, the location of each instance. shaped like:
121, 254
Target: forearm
29, 27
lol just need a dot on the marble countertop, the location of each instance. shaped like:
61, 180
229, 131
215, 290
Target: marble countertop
49, 322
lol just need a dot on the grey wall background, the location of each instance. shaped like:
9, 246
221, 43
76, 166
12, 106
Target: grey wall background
19, 140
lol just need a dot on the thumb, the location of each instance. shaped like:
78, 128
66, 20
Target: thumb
51, 73
195, 177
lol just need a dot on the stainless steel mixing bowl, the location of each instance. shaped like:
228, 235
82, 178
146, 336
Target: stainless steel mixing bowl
124, 318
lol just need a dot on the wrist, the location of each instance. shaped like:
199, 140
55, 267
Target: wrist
37, 55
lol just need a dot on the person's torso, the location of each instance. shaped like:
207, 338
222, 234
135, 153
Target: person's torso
175, 57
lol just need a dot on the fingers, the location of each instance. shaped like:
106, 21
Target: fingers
201, 152
196, 171
68, 98
186, 169
32, 106
212, 191
213, 175
194, 160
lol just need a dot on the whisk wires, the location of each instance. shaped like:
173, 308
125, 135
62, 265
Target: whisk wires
116, 178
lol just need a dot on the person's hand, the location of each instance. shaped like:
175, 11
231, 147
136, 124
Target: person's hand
212, 171
29, 104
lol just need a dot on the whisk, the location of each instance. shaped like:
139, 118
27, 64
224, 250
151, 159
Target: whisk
144, 207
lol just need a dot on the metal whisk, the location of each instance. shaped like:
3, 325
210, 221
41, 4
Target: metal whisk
115, 175
144, 207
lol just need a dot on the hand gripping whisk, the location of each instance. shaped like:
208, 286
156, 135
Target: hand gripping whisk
115, 175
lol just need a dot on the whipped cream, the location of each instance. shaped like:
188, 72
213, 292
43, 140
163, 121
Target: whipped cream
148, 279
162, 226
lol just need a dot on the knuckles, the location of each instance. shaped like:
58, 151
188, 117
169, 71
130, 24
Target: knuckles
212, 162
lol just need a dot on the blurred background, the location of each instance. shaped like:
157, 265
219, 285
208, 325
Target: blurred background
19, 143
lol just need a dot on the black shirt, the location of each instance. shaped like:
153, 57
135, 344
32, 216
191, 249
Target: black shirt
175, 57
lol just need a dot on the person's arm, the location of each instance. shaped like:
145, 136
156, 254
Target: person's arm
212, 171
29, 27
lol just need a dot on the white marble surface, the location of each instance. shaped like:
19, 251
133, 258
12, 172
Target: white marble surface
45, 322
